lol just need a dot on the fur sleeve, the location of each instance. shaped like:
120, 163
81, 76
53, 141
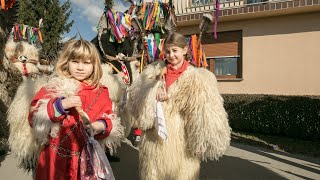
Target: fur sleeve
113, 83
22, 140
113, 140
206, 123
41, 123
142, 96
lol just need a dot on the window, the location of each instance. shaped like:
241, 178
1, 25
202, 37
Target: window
224, 66
255, 1
224, 54
201, 2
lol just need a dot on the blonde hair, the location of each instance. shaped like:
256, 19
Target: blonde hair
81, 50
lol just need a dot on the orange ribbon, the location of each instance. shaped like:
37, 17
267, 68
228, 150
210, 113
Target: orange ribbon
3, 4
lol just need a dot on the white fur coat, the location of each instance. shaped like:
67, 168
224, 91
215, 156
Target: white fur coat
196, 122
118, 94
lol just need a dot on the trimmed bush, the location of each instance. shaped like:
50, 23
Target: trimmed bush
290, 116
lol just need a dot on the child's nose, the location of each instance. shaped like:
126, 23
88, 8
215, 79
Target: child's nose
80, 65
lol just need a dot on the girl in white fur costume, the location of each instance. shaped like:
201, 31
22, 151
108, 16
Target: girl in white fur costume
57, 129
181, 113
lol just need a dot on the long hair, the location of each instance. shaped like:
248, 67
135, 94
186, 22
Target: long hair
81, 50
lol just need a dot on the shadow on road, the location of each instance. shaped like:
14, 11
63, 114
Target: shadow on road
226, 168
4, 149
265, 153
2, 156
298, 175
127, 168
229, 168
270, 146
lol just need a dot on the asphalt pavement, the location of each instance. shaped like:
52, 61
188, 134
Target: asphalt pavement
240, 162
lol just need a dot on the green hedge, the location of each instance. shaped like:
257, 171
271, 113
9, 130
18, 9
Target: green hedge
290, 116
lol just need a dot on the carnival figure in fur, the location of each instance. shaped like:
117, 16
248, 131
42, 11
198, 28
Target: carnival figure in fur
120, 68
117, 85
10, 79
25, 57
20, 59
54, 133
20, 63
181, 113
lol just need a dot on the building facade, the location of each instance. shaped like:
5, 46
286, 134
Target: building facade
263, 47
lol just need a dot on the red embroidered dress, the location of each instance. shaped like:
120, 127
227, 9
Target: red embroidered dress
59, 159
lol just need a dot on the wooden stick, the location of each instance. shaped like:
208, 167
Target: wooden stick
117, 70
114, 68
86, 120
141, 63
83, 115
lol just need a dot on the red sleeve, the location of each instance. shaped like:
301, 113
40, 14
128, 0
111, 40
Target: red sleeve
107, 130
34, 106
105, 115
43, 94
51, 113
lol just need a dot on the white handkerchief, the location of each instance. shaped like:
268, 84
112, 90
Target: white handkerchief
160, 121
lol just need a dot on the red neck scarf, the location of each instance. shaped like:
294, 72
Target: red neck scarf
87, 86
173, 74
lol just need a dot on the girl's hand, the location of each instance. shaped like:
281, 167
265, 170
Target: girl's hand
161, 91
161, 94
72, 101
98, 127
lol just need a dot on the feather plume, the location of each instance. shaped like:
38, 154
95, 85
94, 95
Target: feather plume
109, 4
135, 21
102, 28
204, 24
170, 25
206, 20
138, 27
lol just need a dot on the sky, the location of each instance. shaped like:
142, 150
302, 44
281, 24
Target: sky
86, 15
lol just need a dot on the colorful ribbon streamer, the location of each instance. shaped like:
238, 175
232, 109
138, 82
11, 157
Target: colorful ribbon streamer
27, 33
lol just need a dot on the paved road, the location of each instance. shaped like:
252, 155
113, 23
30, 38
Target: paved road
240, 162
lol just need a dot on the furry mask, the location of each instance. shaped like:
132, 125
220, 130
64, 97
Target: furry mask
25, 57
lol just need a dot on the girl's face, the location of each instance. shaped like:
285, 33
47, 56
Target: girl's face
175, 55
80, 69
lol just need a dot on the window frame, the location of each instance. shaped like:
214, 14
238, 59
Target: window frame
194, 4
211, 67
226, 37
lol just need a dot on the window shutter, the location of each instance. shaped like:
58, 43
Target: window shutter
227, 44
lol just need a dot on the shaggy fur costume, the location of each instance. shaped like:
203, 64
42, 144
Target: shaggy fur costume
22, 141
118, 95
196, 121
10, 79
15, 49
25, 142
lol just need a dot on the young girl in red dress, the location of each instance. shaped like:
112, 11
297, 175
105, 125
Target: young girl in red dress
53, 116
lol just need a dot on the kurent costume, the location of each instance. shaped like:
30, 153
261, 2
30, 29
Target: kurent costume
57, 141
116, 84
196, 126
118, 93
